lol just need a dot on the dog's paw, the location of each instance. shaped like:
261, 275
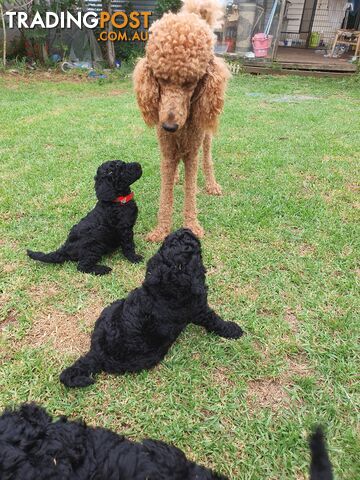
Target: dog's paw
73, 379
158, 234
213, 189
135, 258
101, 270
231, 330
196, 228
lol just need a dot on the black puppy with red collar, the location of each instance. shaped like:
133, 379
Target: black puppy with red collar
107, 227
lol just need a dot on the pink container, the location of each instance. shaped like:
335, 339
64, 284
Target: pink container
261, 44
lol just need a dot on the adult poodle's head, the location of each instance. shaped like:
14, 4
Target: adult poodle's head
114, 178
177, 268
180, 76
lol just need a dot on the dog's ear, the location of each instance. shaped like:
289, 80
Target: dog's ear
104, 189
147, 92
210, 94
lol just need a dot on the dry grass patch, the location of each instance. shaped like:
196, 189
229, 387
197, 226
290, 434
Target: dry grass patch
306, 250
298, 366
273, 393
10, 318
220, 376
66, 333
291, 319
267, 393
353, 187
248, 291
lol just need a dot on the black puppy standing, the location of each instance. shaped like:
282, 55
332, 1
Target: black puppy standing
135, 333
107, 227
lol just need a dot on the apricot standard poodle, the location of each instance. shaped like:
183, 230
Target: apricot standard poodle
180, 87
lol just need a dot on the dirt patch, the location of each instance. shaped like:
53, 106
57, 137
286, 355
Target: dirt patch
65, 332
292, 320
298, 366
266, 393
306, 250
220, 376
10, 318
248, 291
9, 268
273, 393
39, 293
353, 187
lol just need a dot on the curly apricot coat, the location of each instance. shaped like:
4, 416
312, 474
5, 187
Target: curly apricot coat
180, 87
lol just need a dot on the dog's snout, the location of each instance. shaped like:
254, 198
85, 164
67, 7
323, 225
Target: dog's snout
170, 127
135, 167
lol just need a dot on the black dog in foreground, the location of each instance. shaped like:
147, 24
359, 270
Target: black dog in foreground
107, 227
135, 333
33, 447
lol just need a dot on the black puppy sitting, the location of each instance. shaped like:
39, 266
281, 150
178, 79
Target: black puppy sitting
135, 333
108, 226
33, 447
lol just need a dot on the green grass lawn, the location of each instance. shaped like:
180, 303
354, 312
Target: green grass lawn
280, 249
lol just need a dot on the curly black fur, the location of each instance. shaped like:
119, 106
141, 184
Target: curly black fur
33, 447
107, 227
320, 467
135, 333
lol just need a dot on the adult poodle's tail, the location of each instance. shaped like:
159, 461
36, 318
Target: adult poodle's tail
80, 374
320, 467
54, 257
210, 10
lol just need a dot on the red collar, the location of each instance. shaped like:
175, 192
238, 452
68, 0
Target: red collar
124, 200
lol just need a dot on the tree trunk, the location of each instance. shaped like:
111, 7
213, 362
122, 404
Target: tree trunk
4, 30
110, 49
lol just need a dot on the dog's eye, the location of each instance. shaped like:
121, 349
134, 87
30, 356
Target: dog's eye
110, 172
188, 85
179, 266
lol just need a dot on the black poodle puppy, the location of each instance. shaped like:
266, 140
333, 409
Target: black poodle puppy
108, 226
33, 447
135, 333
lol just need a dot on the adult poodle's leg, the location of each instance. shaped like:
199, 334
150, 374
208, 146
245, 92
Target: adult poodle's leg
177, 174
213, 323
168, 169
80, 374
212, 187
190, 212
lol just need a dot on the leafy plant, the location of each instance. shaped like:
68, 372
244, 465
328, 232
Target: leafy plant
164, 6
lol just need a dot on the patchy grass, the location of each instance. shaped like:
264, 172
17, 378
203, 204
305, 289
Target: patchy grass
281, 249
